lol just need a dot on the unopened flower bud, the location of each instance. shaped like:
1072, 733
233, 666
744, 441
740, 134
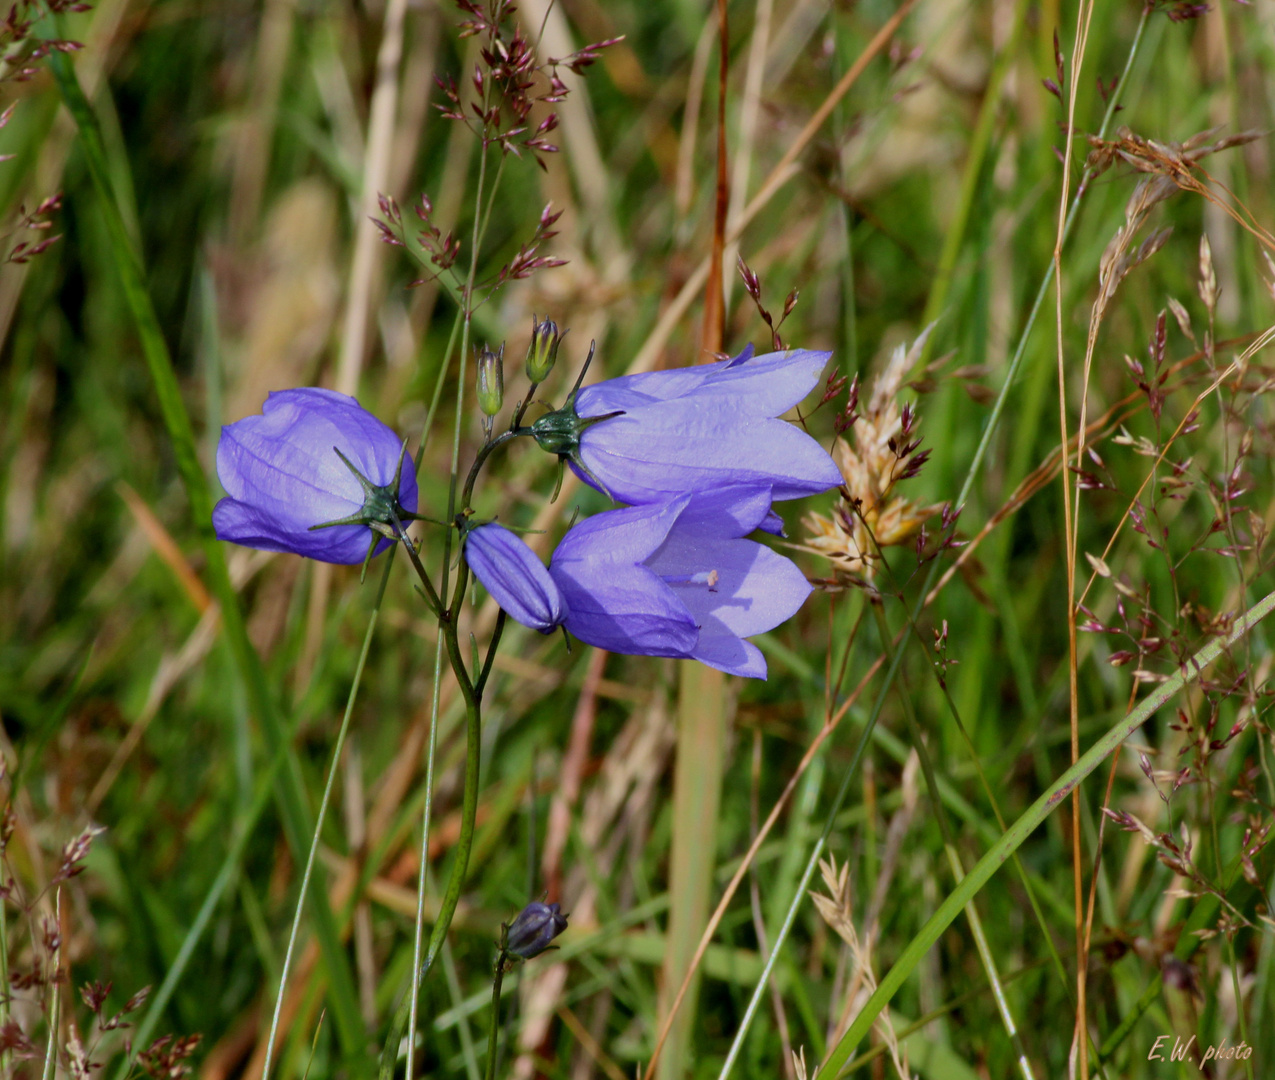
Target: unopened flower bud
491, 380
534, 930
542, 354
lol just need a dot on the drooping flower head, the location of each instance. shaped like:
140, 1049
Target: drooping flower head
312, 457
696, 428
515, 577
533, 931
677, 578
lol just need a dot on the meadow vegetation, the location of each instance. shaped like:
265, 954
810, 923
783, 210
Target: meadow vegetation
1002, 807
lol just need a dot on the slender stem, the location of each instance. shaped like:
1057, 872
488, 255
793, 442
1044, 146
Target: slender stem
493, 1032
480, 459
4, 969
427, 586
522, 407
481, 681
469, 801
323, 810
55, 1007
967, 487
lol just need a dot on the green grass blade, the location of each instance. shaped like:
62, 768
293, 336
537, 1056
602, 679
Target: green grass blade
298, 823
1021, 829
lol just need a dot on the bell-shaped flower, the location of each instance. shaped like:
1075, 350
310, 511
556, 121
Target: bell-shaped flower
315, 474
691, 429
515, 577
677, 579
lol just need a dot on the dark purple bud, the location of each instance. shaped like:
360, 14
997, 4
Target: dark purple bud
534, 929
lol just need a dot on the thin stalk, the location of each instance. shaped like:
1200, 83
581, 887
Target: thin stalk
407, 1012
4, 973
1022, 828
493, 1032
55, 1006
971, 476
954, 860
323, 810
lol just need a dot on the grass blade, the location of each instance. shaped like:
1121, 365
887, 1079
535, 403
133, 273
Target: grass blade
298, 823
1021, 829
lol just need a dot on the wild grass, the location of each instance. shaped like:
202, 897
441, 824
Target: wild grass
1002, 806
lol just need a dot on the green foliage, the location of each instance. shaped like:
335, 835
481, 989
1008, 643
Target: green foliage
212, 161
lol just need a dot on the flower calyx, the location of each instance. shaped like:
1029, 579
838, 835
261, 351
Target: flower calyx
558, 432
381, 511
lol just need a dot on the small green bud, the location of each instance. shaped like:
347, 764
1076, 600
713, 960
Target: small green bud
491, 380
542, 354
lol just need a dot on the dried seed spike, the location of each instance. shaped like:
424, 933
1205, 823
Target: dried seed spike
1183, 317
1208, 278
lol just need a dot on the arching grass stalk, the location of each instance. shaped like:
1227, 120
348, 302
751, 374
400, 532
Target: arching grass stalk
971, 475
323, 809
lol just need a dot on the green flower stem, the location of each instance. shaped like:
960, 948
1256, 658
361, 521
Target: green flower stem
493, 1032
1021, 829
496, 633
469, 812
480, 459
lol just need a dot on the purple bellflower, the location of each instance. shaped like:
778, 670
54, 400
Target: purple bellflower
647, 438
677, 579
515, 577
315, 474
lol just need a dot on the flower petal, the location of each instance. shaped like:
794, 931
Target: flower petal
612, 600
730, 654
626, 609
755, 588
241, 523
514, 575
657, 450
